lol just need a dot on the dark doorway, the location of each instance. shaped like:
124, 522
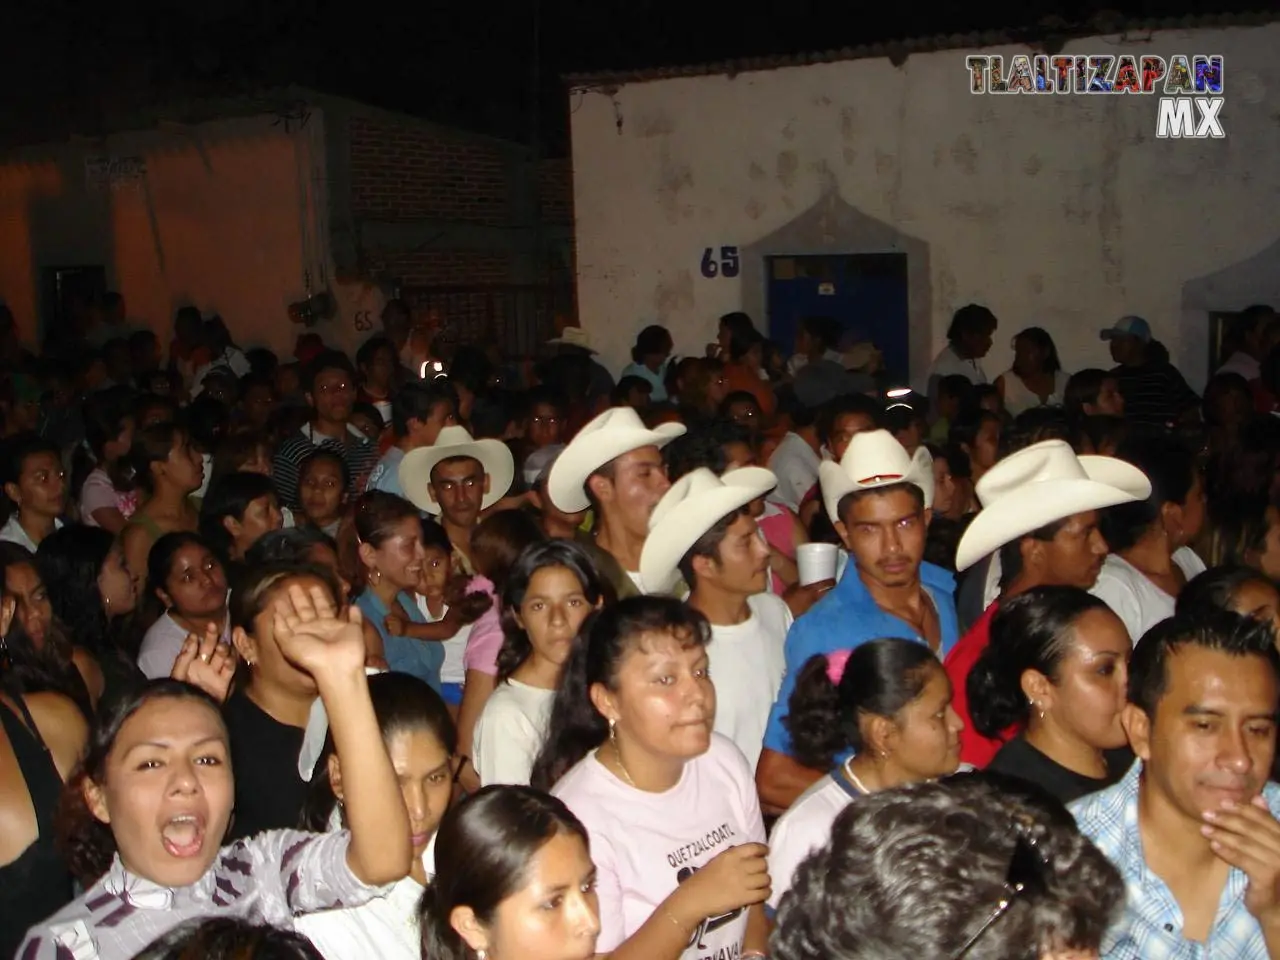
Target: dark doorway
865, 292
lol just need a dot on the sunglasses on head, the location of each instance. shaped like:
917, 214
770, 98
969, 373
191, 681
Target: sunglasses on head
1028, 875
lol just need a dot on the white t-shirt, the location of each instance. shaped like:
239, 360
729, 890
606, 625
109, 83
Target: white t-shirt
645, 844
1135, 599
795, 464
948, 362
14, 532
453, 670
510, 732
747, 665
161, 645
1018, 396
805, 827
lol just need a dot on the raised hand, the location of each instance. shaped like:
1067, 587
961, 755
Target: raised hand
1247, 836
206, 663
314, 636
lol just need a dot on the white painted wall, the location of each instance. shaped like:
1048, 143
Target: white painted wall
229, 217
1059, 211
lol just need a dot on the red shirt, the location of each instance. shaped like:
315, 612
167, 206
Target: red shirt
974, 747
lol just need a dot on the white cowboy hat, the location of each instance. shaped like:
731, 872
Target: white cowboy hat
416, 467
573, 337
617, 431
874, 459
694, 504
1038, 485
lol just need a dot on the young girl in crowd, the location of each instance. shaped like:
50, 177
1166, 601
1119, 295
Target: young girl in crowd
888, 703
187, 581
238, 509
267, 714
420, 739
145, 813
42, 735
389, 554
322, 490
1055, 673
549, 592
93, 596
168, 470
35, 488
447, 623
515, 881
100, 476
495, 544
671, 807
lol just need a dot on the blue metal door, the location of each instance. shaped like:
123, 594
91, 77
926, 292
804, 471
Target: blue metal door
866, 293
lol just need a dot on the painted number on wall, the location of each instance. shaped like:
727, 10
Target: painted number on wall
364, 320
726, 266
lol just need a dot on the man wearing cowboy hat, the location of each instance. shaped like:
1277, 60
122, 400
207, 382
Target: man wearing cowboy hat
457, 478
1040, 511
702, 529
614, 465
879, 499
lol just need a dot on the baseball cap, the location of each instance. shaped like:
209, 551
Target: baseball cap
1129, 326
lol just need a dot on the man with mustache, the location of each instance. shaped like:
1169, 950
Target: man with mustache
1192, 827
878, 497
702, 530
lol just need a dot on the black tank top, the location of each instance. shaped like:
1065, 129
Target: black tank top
38, 883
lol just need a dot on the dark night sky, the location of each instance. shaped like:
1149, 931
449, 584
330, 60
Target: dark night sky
460, 62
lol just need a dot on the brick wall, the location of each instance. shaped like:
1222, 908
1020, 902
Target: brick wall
407, 171
555, 190
433, 268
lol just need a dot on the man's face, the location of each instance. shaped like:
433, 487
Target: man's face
1213, 735
639, 481
1073, 558
885, 532
844, 428
459, 486
332, 395
743, 564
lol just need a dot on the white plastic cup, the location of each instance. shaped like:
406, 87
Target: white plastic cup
817, 562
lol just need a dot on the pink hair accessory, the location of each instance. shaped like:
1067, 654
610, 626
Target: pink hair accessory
835, 665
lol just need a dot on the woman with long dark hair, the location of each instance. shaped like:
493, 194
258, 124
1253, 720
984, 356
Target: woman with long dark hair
144, 816
186, 594
876, 717
100, 475
93, 597
549, 592
42, 734
630, 750
421, 741
167, 469
1036, 378
1055, 672
515, 881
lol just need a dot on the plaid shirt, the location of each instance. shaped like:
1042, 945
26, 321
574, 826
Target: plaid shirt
1150, 927
269, 878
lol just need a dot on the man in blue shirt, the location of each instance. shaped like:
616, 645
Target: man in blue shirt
419, 411
1192, 827
879, 500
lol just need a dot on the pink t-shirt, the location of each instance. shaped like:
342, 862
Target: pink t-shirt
98, 493
485, 639
645, 844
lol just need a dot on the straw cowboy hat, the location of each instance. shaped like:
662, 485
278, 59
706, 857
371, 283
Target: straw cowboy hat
1041, 484
694, 504
494, 457
874, 459
573, 337
617, 431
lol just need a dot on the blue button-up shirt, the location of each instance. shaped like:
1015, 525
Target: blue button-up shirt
1150, 928
846, 618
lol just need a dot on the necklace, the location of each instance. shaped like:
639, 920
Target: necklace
848, 772
622, 766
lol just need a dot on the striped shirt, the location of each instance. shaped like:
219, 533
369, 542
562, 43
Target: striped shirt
1154, 393
1150, 926
358, 452
270, 878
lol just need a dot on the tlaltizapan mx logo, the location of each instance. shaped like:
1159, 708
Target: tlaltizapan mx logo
1189, 86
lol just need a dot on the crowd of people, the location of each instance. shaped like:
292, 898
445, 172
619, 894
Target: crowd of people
427, 655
